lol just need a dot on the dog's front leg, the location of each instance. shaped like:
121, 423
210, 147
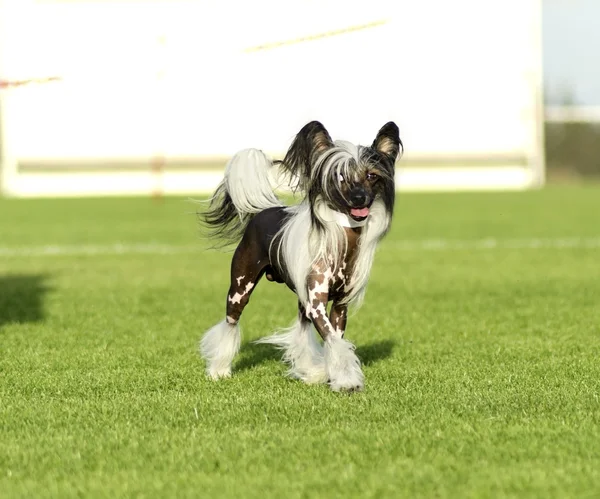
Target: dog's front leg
341, 363
338, 317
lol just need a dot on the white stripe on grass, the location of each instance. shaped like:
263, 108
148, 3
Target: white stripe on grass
98, 249
493, 243
414, 245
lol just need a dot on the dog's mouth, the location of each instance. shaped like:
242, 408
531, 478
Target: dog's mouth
359, 214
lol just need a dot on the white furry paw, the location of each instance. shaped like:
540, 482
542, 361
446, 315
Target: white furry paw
343, 366
313, 376
219, 346
216, 373
308, 369
302, 353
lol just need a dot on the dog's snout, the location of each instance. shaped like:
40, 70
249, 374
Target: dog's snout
358, 196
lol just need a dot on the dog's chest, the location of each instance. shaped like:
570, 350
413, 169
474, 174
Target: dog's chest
341, 279
341, 271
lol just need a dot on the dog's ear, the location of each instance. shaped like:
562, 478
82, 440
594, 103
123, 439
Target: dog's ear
388, 141
310, 142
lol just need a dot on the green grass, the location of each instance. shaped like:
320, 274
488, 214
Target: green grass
482, 365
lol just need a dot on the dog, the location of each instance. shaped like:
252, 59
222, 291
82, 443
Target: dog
322, 248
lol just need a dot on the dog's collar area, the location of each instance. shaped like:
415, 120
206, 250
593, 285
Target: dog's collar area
347, 221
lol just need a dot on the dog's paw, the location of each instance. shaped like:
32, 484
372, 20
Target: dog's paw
343, 366
217, 374
348, 384
336, 387
314, 376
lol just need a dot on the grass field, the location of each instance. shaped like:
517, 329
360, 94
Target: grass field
480, 338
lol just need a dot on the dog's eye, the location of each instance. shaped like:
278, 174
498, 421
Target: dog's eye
340, 177
371, 176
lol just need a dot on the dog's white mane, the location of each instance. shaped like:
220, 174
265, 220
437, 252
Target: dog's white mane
301, 249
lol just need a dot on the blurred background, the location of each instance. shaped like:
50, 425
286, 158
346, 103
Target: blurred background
571, 46
152, 97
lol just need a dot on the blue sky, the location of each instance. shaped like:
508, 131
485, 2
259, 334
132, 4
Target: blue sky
572, 50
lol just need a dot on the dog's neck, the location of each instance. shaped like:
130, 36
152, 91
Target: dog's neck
347, 221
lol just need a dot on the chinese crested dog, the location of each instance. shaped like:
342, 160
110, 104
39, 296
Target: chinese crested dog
321, 248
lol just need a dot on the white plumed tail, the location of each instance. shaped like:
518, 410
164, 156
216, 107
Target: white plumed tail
245, 190
247, 182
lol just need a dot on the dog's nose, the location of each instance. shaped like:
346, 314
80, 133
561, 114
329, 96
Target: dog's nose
358, 196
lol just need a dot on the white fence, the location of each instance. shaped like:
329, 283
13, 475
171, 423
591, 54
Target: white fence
146, 96
572, 114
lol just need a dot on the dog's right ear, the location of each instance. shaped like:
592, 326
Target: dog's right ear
310, 142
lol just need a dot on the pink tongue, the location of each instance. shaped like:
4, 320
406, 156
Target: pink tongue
359, 212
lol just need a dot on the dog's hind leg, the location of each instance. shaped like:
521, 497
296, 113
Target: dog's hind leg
221, 343
302, 351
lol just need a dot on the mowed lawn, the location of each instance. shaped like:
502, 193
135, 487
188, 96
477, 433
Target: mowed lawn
480, 338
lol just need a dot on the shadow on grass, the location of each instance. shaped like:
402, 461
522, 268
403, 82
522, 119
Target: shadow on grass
253, 354
21, 298
370, 354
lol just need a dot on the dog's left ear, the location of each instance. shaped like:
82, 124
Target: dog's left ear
388, 141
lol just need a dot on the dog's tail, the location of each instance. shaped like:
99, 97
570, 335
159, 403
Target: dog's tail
245, 191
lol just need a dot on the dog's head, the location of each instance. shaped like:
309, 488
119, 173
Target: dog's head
346, 177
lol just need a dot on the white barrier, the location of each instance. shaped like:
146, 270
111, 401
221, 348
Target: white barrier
157, 83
